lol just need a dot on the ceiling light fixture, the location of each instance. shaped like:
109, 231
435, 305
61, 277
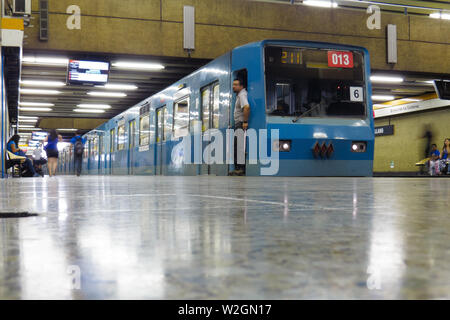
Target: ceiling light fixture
31, 129
386, 79
320, 3
94, 106
45, 60
36, 109
89, 110
382, 98
138, 65
28, 120
38, 83
25, 118
36, 104
39, 91
69, 130
107, 94
410, 99
118, 87
440, 15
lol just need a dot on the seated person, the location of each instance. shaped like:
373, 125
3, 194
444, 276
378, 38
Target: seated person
13, 147
434, 160
280, 110
38, 160
445, 167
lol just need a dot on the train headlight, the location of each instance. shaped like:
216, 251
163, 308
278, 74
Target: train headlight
359, 146
282, 145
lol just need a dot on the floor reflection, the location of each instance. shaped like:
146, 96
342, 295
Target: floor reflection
225, 238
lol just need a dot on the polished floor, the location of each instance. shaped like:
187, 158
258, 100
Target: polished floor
225, 238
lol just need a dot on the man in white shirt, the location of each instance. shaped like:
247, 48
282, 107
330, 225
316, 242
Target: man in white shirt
38, 160
241, 116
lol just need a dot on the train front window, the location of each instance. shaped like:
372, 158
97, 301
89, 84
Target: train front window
314, 83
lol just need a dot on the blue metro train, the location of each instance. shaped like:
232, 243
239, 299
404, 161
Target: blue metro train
315, 96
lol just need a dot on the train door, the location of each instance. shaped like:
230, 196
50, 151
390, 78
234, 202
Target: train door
210, 120
112, 137
132, 144
161, 123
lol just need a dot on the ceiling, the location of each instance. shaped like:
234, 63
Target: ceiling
150, 82
147, 82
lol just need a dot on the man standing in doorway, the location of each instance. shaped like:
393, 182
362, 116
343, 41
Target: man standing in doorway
241, 116
78, 150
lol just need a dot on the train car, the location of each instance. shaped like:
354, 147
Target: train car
315, 96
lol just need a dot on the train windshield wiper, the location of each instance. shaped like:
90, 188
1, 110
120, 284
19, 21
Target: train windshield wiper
300, 116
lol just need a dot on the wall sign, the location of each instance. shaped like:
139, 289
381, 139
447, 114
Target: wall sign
384, 131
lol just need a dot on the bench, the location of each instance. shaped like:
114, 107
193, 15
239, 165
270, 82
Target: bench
423, 162
13, 161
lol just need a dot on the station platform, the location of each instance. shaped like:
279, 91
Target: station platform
225, 238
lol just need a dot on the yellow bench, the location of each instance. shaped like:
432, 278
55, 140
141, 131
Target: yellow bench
422, 162
13, 161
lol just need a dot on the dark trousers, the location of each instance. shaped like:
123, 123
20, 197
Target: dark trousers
28, 165
78, 164
237, 166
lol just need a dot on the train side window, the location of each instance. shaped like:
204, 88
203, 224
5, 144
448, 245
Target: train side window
111, 140
216, 106
181, 118
206, 95
121, 138
210, 106
86, 149
166, 125
144, 130
94, 147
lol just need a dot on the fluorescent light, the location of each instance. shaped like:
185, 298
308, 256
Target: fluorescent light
94, 106
38, 91
410, 99
107, 94
26, 126
439, 15
382, 98
28, 120
35, 104
138, 65
385, 79
67, 130
89, 110
31, 129
45, 60
320, 3
38, 83
119, 87
36, 109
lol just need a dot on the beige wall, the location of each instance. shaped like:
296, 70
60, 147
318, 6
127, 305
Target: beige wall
155, 27
407, 145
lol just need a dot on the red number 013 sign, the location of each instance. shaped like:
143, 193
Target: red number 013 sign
340, 59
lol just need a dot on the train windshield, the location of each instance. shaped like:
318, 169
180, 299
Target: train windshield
314, 83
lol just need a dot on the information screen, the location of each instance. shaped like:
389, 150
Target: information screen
88, 72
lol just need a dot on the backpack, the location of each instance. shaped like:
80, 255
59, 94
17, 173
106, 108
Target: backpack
79, 147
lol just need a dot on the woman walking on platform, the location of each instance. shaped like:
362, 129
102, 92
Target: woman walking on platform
52, 151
